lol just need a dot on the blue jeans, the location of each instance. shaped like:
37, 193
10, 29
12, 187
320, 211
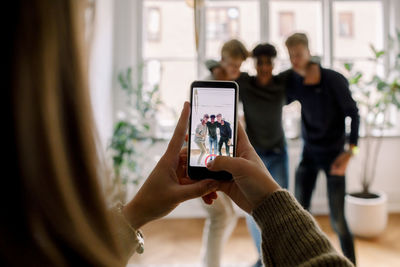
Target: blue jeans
306, 177
277, 163
213, 142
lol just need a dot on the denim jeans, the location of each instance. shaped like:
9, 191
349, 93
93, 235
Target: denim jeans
223, 140
306, 177
213, 142
277, 163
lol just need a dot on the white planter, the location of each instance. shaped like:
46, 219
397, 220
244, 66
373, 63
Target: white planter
366, 217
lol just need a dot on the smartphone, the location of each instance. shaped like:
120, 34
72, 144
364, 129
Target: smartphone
212, 127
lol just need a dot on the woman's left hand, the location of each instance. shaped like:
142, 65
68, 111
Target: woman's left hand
168, 185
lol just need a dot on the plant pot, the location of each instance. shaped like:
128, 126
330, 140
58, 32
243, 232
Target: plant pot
366, 214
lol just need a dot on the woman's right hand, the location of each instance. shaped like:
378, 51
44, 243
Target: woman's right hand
252, 182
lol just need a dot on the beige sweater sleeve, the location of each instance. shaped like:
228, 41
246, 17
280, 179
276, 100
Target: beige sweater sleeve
291, 237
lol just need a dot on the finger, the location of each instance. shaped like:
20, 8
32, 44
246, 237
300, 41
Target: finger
175, 145
212, 195
183, 155
208, 199
184, 151
243, 142
197, 189
235, 166
186, 180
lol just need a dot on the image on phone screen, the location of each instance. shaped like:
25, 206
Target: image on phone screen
212, 124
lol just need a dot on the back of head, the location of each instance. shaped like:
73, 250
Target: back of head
234, 49
55, 212
265, 49
296, 39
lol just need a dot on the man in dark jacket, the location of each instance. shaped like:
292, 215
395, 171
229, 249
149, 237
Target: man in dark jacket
225, 135
325, 101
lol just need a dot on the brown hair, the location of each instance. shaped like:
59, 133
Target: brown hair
55, 211
234, 49
296, 39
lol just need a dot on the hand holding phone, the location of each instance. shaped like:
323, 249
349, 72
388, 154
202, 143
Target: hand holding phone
251, 183
213, 112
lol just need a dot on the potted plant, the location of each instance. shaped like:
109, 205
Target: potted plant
376, 96
133, 134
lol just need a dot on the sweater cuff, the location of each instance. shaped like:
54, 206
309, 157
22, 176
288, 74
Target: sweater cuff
274, 206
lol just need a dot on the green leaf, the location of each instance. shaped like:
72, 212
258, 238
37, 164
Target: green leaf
356, 78
146, 126
348, 66
379, 54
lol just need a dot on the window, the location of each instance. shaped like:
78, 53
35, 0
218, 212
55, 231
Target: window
222, 23
153, 26
236, 19
170, 62
335, 28
287, 17
286, 23
351, 42
345, 24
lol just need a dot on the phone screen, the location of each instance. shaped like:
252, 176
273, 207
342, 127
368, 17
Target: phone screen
213, 122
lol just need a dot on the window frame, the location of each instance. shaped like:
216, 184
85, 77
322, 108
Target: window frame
327, 26
328, 56
217, 10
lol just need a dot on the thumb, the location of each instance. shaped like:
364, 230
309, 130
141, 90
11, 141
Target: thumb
235, 166
197, 189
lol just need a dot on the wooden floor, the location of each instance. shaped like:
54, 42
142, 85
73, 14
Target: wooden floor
172, 241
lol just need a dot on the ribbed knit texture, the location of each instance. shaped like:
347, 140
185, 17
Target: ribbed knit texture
290, 235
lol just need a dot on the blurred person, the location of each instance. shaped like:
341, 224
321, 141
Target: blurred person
222, 218
263, 97
54, 213
217, 72
212, 126
325, 101
225, 132
200, 138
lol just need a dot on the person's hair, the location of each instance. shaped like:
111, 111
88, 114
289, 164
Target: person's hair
206, 115
55, 212
296, 39
212, 116
234, 49
219, 115
266, 49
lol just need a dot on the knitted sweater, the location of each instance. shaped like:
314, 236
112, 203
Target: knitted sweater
290, 235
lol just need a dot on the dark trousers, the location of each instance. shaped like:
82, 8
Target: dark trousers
306, 177
223, 140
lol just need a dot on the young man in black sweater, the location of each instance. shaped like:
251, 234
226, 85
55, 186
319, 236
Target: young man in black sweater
263, 97
225, 135
325, 103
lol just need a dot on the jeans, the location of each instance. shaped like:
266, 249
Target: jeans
277, 163
213, 142
306, 177
223, 140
